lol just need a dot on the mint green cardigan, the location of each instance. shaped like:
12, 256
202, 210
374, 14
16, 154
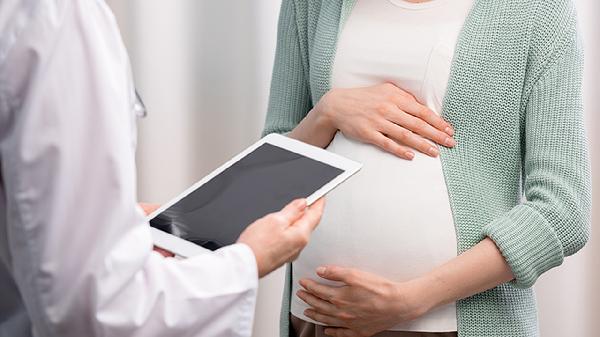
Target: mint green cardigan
520, 173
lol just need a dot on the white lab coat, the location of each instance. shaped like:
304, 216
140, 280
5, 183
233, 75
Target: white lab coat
76, 254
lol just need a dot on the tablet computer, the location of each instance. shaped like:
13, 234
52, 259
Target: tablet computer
262, 179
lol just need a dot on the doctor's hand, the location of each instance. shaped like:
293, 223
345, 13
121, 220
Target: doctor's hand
148, 209
364, 305
279, 237
382, 115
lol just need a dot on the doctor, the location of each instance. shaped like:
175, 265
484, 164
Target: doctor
76, 254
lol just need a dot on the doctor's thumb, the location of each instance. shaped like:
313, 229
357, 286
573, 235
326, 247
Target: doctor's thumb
311, 217
293, 211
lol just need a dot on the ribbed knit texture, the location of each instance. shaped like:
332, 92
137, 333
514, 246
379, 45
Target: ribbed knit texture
520, 171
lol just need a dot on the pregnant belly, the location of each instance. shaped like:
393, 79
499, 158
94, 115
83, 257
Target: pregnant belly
393, 218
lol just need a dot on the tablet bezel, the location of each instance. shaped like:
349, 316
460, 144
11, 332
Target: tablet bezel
184, 248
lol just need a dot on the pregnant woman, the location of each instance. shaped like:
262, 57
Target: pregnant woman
451, 220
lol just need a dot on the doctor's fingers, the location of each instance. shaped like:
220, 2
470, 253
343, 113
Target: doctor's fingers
311, 217
163, 252
289, 214
299, 232
148, 208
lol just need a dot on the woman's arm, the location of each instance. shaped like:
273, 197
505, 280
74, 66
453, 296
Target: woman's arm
521, 244
368, 304
289, 98
382, 115
484, 265
553, 221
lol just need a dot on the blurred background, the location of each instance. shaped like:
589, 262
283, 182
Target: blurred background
203, 68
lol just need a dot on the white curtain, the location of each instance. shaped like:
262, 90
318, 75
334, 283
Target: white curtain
203, 69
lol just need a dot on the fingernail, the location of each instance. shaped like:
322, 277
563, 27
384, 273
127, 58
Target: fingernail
300, 203
433, 151
321, 270
449, 142
449, 131
410, 155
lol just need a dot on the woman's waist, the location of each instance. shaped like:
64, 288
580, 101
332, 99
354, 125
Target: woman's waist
383, 168
368, 224
399, 244
398, 257
388, 203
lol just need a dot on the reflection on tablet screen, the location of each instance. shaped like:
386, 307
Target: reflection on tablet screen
262, 182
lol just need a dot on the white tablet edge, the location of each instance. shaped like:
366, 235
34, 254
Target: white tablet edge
348, 166
184, 248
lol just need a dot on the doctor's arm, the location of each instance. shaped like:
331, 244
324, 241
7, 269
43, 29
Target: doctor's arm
81, 251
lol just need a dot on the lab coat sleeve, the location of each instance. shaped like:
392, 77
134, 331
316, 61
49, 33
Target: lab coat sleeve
80, 248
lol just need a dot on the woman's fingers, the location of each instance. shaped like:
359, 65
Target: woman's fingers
387, 144
422, 112
408, 103
420, 126
324, 319
320, 290
410, 139
317, 304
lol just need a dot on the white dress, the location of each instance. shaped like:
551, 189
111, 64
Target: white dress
393, 218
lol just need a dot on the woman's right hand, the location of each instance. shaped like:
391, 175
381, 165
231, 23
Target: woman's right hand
383, 115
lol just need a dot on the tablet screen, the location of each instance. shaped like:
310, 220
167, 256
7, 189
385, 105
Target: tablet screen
262, 182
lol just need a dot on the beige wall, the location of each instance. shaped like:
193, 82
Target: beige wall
203, 68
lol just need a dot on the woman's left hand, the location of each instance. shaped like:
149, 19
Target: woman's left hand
365, 305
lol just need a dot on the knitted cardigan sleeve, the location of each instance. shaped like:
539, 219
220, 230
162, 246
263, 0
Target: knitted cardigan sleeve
554, 221
290, 98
